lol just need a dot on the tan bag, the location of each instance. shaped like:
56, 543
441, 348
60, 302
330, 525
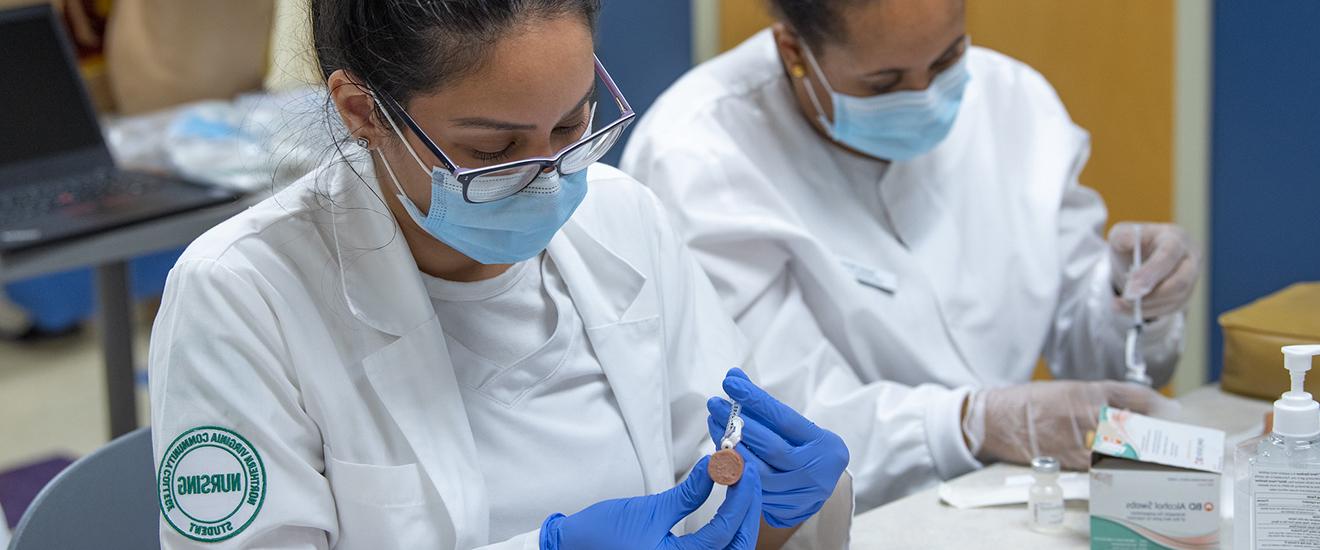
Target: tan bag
165, 52
1253, 334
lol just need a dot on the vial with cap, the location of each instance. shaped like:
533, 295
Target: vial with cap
1045, 499
1277, 476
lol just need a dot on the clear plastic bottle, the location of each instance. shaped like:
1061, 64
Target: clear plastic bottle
1045, 499
1288, 461
1276, 502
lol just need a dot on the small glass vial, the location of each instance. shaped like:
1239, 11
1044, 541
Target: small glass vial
1045, 500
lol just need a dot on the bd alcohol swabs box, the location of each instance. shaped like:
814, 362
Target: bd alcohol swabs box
1154, 484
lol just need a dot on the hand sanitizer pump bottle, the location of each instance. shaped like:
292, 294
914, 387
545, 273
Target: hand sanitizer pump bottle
1277, 476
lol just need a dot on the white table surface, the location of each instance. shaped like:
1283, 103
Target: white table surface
920, 520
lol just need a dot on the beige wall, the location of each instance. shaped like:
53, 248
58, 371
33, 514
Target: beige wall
740, 19
1112, 62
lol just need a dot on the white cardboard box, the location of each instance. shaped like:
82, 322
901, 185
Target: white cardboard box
1154, 484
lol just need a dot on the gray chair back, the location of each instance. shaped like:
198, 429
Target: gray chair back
105, 500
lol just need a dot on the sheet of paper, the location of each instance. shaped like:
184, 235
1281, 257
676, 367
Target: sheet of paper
1010, 490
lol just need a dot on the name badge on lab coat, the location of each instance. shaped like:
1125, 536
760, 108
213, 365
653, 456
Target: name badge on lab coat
879, 279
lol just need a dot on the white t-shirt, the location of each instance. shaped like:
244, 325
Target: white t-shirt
524, 364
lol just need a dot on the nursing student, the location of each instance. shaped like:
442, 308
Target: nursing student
894, 218
462, 333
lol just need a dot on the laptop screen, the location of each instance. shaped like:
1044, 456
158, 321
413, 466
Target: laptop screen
42, 107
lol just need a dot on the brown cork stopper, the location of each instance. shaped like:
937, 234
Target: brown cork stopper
725, 467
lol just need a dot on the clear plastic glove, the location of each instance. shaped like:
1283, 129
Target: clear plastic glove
645, 522
1169, 268
802, 461
1017, 423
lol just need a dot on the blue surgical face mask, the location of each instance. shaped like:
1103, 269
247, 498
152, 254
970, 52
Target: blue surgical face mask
896, 125
506, 231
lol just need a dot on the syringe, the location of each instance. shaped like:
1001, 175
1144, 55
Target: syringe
1136, 361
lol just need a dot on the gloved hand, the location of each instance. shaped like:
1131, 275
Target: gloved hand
1170, 266
644, 522
802, 462
1017, 423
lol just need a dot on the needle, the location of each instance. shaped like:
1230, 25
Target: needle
1136, 361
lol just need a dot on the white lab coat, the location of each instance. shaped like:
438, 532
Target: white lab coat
304, 326
875, 297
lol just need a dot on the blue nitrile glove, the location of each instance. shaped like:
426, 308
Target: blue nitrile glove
644, 522
802, 461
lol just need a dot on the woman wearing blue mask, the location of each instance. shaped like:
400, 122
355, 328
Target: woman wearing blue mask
463, 333
894, 216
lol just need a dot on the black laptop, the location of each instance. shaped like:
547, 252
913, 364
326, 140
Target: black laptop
57, 179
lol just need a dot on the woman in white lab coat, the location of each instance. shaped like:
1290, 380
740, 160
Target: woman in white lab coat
408, 350
894, 216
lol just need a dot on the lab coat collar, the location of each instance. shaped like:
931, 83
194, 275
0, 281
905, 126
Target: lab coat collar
380, 279
603, 285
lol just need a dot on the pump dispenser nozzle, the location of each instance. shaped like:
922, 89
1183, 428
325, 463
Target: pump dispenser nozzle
1296, 414
1297, 359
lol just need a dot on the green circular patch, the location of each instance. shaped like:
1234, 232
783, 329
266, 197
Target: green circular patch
212, 483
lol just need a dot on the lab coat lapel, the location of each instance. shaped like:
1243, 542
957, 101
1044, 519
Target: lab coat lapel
380, 279
627, 342
413, 375
415, 380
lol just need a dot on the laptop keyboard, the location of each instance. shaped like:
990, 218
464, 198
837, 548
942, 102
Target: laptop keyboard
19, 204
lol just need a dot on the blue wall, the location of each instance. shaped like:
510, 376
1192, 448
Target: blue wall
646, 45
1265, 189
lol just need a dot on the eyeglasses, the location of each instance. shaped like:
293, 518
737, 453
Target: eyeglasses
492, 183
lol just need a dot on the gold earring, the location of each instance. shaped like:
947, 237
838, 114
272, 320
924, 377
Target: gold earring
798, 71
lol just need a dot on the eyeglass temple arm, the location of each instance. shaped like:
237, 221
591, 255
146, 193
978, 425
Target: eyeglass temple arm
417, 131
614, 88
